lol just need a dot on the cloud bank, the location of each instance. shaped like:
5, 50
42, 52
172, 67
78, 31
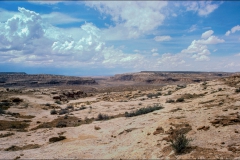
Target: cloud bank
32, 39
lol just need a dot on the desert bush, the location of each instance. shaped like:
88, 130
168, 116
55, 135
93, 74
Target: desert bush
48, 104
219, 89
170, 101
5, 105
102, 117
17, 100
144, 110
180, 99
63, 111
175, 110
53, 112
6, 135
58, 102
180, 143
69, 107
237, 90
61, 124
149, 95
2, 111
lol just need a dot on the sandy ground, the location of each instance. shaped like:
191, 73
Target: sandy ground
130, 137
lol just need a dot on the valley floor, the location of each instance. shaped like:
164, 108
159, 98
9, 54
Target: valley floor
206, 112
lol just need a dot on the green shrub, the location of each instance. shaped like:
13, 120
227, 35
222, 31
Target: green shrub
180, 99
5, 105
102, 117
63, 111
143, 110
53, 112
69, 107
58, 102
48, 104
170, 101
61, 124
2, 111
237, 90
180, 143
149, 95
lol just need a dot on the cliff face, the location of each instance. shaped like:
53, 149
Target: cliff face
169, 77
38, 80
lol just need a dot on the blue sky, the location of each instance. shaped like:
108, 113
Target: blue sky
87, 38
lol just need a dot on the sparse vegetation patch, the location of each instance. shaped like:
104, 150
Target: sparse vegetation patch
170, 101
180, 100
16, 125
16, 148
144, 110
102, 117
180, 143
6, 135
237, 90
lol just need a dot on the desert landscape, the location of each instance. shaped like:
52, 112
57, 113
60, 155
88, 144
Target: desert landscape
144, 115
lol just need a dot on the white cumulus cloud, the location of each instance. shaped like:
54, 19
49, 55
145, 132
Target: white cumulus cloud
21, 30
207, 34
134, 18
203, 8
233, 30
199, 49
28, 38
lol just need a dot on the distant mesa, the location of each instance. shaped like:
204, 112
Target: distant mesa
21, 79
169, 77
